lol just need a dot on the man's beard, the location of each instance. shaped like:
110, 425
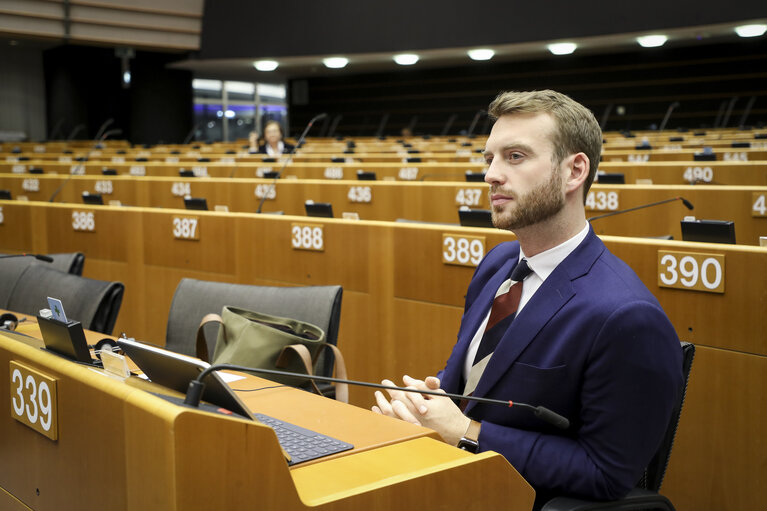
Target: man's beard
537, 205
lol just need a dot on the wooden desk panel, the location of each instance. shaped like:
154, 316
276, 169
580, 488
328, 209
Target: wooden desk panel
265, 251
719, 459
402, 307
161, 456
16, 228
433, 202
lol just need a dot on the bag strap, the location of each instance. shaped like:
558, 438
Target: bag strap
303, 355
342, 389
202, 346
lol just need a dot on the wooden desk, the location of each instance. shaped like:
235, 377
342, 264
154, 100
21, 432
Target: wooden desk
402, 307
148, 453
421, 201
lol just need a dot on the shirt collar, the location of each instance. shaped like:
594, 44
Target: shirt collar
544, 263
272, 152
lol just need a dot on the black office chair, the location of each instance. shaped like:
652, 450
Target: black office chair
645, 496
71, 262
11, 270
193, 299
94, 303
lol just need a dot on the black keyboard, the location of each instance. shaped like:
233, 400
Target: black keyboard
302, 444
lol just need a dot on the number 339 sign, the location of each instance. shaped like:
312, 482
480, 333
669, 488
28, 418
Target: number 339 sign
33, 399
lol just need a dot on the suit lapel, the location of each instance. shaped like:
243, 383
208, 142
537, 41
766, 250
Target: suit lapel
553, 294
474, 316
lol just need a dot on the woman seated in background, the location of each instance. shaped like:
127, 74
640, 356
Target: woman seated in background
274, 146
254, 140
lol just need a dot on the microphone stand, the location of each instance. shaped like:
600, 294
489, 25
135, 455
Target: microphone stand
196, 388
40, 257
289, 159
82, 163
687, 204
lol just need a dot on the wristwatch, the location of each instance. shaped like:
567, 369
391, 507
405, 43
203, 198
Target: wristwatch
470, 440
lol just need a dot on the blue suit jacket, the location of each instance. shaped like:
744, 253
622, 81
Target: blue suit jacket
592, 344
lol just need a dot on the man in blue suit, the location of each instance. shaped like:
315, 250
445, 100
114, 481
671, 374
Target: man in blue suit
588, 340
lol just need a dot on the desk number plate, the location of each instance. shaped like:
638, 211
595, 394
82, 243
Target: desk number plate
691, 271
33, 399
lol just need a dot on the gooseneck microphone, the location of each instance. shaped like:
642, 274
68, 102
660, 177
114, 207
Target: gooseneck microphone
289, 158
196, 388
103, 127
76, 169
686, 203
41, 257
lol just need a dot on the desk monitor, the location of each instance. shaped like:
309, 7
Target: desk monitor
196, 203
109, 172
319, 209
5, 194
475, 177
67, 339
271, 174
366, 175
475, 217
185, 173
175, 371
611, 178
93, 198
709, 231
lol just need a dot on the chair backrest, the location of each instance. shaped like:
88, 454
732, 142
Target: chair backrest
12, 268
94, 303
71, 262
319, 305
656, 469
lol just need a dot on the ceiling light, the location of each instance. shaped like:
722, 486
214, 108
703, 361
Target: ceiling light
652, 41
265, 65
481, 54
406, 59
335, 62
562, 48
751, 30
202, 84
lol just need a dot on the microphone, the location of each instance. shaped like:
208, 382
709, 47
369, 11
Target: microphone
474, 122
289, 158
90, 151
41, 257
191, 133
103, 127
75, 131
196, 388
687, 204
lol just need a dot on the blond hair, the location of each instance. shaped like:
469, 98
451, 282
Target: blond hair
577, 130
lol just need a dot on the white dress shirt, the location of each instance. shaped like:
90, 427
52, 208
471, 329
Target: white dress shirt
542, 265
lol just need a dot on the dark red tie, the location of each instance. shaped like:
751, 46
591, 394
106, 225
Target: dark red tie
502, 313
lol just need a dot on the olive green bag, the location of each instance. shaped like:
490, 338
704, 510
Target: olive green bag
257, 340
263, 341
